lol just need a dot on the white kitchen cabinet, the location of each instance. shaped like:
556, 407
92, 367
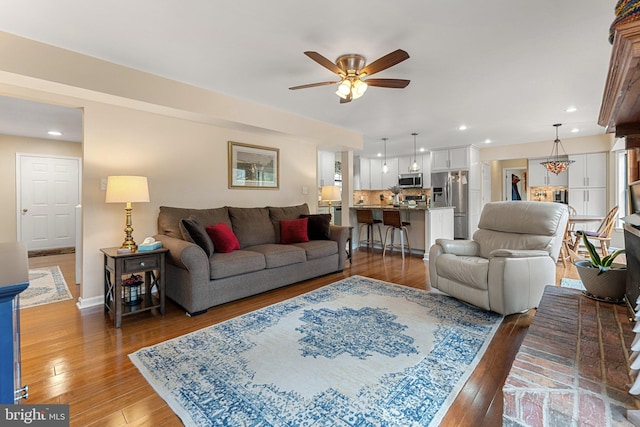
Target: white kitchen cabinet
365, 174
376, 174
326, 168
451, 159
405, 163
588, 171
539, 176
390, 178
589, 201
426, 170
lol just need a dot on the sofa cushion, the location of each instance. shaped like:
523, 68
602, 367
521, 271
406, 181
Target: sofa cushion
277, 214
279, 255
541, 218
169, 218
319, 226
194, 232
234, 263
252, 226
470, 270
489, 240
293, 231
319, 248
223, 238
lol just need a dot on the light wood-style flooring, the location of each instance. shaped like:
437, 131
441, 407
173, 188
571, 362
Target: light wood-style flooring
77, 357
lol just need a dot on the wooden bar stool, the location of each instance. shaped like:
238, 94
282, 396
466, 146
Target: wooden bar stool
365, 219
393, 221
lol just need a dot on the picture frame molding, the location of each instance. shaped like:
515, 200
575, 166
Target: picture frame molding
234, 160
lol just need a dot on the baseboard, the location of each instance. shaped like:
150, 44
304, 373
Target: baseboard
90, 302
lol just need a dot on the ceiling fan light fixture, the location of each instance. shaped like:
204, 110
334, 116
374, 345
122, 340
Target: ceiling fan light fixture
554, 163
358, 88
343, 89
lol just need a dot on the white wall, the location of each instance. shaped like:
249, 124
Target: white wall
174, 134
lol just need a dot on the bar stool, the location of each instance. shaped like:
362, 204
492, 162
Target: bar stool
365, 219
393, 221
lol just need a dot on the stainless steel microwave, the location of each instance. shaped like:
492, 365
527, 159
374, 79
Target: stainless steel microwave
410, 180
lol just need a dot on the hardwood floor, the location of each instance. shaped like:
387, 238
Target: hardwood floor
77, 357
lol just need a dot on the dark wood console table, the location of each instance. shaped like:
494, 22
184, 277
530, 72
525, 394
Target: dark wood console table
573, 365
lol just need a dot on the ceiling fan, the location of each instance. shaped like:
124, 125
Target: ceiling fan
351, 69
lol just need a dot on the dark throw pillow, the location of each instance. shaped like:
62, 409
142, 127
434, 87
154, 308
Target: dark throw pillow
223, 238
293, 231
319, 226
194, 232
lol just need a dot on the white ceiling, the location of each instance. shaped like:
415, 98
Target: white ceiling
507, 69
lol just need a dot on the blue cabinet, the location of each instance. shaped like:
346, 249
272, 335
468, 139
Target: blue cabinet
14, 278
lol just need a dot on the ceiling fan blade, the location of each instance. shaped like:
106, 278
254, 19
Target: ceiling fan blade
392, 83
389, 60
325, 62
313, 85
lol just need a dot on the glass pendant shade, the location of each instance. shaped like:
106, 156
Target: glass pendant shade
554, 163
385, 168
414, 167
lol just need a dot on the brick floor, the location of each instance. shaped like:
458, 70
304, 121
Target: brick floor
573, 366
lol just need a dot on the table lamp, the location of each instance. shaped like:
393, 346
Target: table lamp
330, 193
127, 189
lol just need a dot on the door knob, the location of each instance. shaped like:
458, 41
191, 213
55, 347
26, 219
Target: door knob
24, 210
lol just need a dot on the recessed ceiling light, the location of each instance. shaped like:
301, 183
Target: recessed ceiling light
54, 133
421, 149
379, 154
487, 141
574, 130
462, 127
571, 109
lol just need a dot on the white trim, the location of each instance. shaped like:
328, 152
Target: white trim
90, 302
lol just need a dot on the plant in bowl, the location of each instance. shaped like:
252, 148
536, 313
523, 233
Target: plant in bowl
603, 279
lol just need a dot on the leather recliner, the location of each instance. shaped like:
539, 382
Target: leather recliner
510, 260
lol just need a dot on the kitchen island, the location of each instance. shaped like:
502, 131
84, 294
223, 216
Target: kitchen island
427, 224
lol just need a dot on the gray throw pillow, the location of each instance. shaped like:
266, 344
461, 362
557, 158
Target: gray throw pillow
194, 232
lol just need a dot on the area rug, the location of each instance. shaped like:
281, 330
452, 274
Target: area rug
46, 285
571, 283
358, 352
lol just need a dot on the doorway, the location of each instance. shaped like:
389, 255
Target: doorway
48, 195
515, 184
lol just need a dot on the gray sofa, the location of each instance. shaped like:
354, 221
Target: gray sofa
198, 281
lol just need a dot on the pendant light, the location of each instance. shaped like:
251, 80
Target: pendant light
385, 168
414, 167
554, 163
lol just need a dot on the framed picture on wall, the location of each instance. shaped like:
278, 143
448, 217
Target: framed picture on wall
253, 166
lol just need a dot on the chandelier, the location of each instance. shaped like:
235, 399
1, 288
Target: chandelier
554, 163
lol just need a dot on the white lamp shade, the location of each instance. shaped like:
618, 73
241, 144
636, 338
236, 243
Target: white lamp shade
123, 189
330, 192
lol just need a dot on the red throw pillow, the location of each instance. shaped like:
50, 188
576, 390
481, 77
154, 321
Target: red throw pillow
293, 231
223, 238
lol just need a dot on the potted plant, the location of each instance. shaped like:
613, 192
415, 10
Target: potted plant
395, 190
602, 278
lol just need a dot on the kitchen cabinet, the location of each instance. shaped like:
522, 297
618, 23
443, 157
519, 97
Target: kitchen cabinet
405, 163
365, 174
326, 168
539, 176
375, 172
589, 201
451, 159
390, 178
588, 171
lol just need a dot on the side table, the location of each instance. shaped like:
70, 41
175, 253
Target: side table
116, 265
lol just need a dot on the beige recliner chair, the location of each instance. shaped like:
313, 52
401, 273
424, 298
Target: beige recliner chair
510, 260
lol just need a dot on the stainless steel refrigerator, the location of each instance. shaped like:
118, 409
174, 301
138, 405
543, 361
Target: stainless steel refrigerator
452, 189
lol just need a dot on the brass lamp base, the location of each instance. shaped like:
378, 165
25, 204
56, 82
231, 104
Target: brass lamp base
128, 242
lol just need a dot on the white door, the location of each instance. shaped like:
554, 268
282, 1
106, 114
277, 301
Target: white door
48, 191
486, 183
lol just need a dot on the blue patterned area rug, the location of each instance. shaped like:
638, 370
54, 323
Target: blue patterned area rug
358, 352
46, 285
